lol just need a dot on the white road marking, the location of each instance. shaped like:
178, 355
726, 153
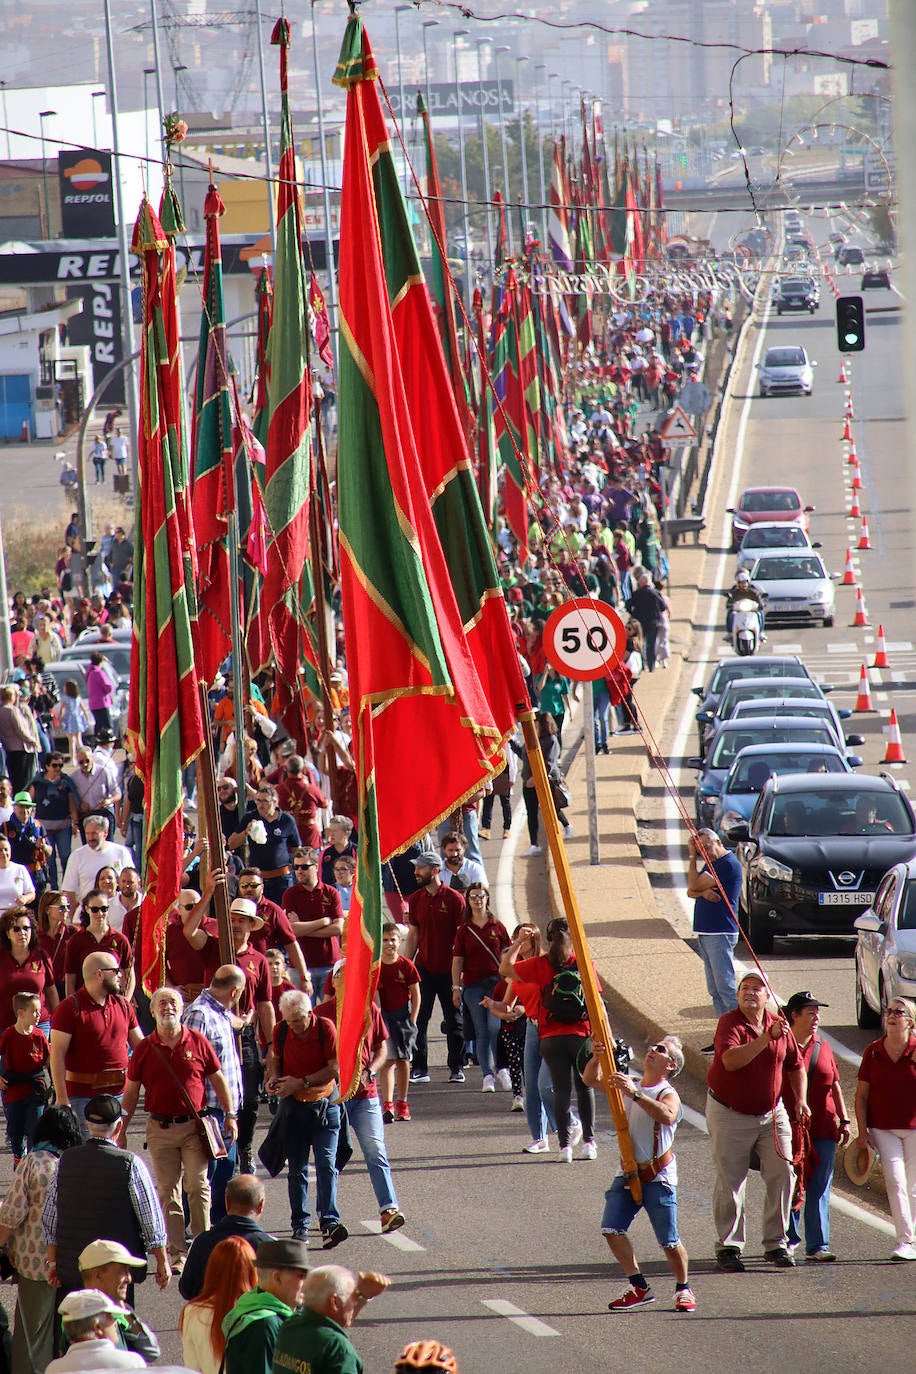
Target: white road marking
395, 1238
519, 1317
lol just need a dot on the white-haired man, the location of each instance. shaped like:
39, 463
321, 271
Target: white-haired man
86, 860
315, 1337
174, 1064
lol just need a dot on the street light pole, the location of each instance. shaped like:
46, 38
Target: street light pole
95, 127
462, 33
43, 115
398, 11
541, 67
178, 68
6, 122
328, 228
265, 120
427, 24
486, 156
522, 132
147, 73
507, 195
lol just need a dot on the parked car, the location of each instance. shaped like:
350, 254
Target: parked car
734, 735
748, 775
886, 946
75, 668
118, 655
815, 851
730, 669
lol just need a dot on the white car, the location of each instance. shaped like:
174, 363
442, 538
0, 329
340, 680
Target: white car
786, 368
772, 539
798, 586
886, 948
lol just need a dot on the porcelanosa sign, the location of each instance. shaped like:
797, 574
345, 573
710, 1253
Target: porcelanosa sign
443, 98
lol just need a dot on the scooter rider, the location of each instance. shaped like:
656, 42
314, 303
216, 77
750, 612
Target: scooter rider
744, 590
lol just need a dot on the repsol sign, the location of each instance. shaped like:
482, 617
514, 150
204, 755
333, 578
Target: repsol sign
86, 194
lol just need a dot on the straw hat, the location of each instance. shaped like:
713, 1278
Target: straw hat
859, 1161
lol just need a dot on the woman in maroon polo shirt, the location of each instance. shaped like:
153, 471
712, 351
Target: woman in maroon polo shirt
479, 943
24, 967
54, 931
94, 936
886, 1115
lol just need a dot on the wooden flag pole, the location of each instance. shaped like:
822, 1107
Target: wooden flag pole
208, 811
596, 1009
321, 624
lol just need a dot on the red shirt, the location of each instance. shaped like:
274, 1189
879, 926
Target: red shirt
98, 1035
35, 975
83, 943
437, 919
277, 992
304, 904
257, 980
22, 1054
394, 983
892, 1087
303, 799
481, 948
540, 972
755, 1089
276, 932
187, 967
55, 947
193, 1060
822, 1081
306, 1054
376, 1036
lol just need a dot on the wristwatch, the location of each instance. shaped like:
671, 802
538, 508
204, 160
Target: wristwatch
637, 1095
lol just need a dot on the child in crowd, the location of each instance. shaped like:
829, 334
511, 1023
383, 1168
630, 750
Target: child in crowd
279, 983
399, 999
24, 1054
74, 717
344, 870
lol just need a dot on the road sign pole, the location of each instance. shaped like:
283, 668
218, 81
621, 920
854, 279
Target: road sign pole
591, 781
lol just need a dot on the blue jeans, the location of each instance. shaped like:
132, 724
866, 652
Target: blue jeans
817, 1201
486, 1025
365, 1116
304, 1133
219, 1172
660, 1202
538, 1087
61, 842
717, 951
21, 1120
602, 710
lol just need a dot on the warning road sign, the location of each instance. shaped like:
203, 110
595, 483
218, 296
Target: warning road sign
677, 429
585, 639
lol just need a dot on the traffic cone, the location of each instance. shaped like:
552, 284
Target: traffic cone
854, 512
856, 478
849, 577
852, 458
861, 615
864, 542
842, 379
894, 752
863, 700
881, 651
846, 436
850, 412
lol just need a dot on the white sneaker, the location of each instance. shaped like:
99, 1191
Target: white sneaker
532, 849
904, 1252
536, 1147
488, 1085
518, 1104
567, 832
565, 1155
589, 1150
503, 1080
575, 1132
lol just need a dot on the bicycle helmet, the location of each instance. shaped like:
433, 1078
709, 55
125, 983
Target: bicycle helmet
427, 1355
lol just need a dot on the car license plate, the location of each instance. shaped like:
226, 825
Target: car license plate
845, 898
785, 606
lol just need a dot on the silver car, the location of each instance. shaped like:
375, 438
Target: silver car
786, 369
886, 945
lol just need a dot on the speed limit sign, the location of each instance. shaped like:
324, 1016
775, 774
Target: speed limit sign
585, 639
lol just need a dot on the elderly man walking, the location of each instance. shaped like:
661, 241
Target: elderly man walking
215, 1014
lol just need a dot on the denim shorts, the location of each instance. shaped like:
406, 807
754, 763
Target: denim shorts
660, 1202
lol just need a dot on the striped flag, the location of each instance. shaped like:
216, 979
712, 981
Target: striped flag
415, 695
558, 214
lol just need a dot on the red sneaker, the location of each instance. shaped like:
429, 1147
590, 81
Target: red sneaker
633, 1297
402, 1112
387, 1112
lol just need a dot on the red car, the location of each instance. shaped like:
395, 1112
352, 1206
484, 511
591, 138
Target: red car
766, 503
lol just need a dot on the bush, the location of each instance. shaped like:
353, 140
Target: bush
31, 549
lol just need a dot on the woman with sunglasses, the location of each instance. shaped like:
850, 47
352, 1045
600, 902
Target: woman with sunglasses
95, 936
54, 930
886, 1116
24, 967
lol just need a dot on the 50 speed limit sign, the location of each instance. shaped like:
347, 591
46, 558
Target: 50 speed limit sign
585, 639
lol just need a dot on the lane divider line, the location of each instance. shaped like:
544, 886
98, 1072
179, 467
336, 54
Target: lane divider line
519, 1317
395, 1238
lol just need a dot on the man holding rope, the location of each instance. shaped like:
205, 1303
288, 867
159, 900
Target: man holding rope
714, 922
745, 1117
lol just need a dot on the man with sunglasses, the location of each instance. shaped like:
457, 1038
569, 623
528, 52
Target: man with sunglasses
316, 917
653, 1111
91, 1035
276, 932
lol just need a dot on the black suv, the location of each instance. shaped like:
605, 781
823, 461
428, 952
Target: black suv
815, 850
796, 294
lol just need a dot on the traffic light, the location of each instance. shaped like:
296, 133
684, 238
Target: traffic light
850, 324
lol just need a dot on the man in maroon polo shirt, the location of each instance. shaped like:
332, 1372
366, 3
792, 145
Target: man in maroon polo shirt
174, 1052
276, 932
434, 913
316, 917
90, 1035
190, 964
303, 799
753, 1052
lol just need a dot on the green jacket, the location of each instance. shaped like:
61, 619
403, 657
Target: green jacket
312, 1344
251, 1329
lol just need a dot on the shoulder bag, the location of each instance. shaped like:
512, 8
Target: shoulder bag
208, 1130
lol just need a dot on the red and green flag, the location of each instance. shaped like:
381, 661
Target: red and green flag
250, 469
415, 695
165, 726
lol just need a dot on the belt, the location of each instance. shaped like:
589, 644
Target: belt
170, 1120
653, 1167
105, 1078
267, 873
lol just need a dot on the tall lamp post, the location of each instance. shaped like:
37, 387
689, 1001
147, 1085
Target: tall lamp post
462, 33
427, 25
43, 115
541, 67
330, 263
502, 141
147, 73
523, 142
178, 69
398, 11
480, 42
6, 121
96, 95
553, 102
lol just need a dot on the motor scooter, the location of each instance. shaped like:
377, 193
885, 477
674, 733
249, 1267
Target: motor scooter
745, 632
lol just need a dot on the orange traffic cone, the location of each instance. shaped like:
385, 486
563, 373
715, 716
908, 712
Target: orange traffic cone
863, 700
852, 458
854, 512
846, 436
850, 412
856, 478
864, 542
861, 615
842, 377
894, 752
881, 651
849, 577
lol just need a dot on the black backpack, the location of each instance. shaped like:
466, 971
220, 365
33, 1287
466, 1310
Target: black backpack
563, 998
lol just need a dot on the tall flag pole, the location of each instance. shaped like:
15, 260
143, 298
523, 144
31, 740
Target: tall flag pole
413, 681
486, 436
165, 724
250, 480
287, 591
